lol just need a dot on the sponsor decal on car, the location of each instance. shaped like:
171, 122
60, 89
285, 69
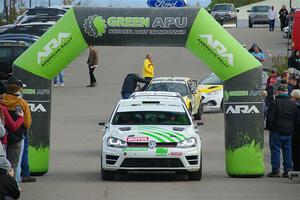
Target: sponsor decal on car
161, 152
175, 154
135, 149
137, 139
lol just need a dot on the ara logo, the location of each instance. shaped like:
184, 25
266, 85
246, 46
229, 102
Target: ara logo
242, 109
37, 108
166, 3
218, 46
51, 46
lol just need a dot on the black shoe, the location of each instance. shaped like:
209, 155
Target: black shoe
273, 174
91, 85
28, 179
285, 175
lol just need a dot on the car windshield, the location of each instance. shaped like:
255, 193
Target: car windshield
37, 30
212, 79
222, 8
169, 87
260, 9
151, 118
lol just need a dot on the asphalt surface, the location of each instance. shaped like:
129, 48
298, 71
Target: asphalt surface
76, 137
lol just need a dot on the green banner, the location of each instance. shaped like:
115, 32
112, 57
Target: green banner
58, 47
211, 43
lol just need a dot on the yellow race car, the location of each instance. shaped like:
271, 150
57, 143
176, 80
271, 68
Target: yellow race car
186, 87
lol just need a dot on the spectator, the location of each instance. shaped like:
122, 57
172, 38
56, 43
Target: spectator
130, 83
283, 13
292, 84
148, 70
272, 79
294, 60
17, 106
295, 95
251, 50
61, 79
92, 64
272, 17
283, 80
258, 55
8, 185
281, 116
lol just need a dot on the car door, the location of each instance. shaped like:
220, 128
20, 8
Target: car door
6, 60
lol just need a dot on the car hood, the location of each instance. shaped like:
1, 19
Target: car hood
146, 133
210, 88
259, 13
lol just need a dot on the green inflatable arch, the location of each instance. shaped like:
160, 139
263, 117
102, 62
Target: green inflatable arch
192, 28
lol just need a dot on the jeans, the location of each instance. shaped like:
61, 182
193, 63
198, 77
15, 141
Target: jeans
18, 170
61, 78
125, 95
281, 142
92, 76
25, 172
271, 24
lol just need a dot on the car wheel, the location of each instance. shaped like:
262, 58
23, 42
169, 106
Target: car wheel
198, 115
106, 175
197, 175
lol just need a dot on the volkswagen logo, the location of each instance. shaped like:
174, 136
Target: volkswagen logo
152, 144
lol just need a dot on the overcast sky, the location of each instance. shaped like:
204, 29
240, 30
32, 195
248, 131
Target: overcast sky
114, 3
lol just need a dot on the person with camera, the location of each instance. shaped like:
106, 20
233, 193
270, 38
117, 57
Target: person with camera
8, 186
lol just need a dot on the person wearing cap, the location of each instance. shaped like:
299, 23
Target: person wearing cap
295, 96
15, 103
8, 185
282, 114
292, 84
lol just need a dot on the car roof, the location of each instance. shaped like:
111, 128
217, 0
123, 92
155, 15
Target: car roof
154, 94
171, 78
146, 104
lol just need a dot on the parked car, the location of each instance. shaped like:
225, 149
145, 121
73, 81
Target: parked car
40, 11
37, 29
258, 15
153, 133
9, 52
187, 88
225, 13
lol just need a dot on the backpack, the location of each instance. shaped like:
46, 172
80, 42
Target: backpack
14, 137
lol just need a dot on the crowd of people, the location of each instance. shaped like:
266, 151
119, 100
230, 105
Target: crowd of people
15, 121
282, 100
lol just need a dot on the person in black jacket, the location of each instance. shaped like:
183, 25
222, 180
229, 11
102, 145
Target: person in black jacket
283, 13
294, 60
282, 115
8, 184
130, 83
295, 95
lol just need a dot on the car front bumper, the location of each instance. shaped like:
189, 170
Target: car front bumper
145, 159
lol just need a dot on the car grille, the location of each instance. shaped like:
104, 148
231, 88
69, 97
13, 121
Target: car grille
192, 160
111, 160
145, 144
152, 162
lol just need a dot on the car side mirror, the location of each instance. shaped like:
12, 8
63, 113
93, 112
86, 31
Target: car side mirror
237, 10
208, 10
248, 11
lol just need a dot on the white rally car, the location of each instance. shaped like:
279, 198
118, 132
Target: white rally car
151, 133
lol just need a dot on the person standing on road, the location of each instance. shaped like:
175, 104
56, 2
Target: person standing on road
130, 83
272, 17
92, 64
61, 79
294, 60
295, 95
281, 119
283, 13
148, 70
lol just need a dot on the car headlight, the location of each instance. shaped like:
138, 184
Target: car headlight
115, 142
188, 143
214, 92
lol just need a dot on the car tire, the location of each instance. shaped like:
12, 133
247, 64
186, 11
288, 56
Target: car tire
106, 175
197, 175
198, 115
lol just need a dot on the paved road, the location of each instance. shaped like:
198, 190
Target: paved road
76, 138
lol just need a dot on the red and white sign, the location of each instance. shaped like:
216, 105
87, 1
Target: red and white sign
176, 154
137, 139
